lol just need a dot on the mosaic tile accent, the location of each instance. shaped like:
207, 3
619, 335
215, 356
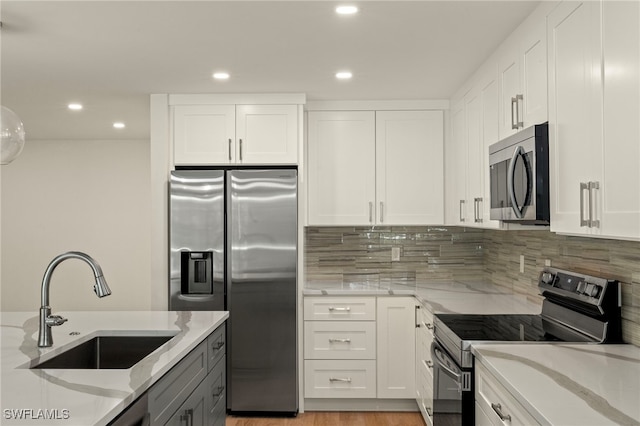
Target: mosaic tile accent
356, 257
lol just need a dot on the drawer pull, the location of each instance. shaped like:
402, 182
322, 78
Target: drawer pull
217, 345
340, 379
347, 309
429, 363
339, 340
219, 389
429, 412
429, 326
498, 409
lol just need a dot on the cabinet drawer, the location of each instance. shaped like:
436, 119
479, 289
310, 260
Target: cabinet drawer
496, 401
216, 346
340, 308
167, 395
340, 379
339, 340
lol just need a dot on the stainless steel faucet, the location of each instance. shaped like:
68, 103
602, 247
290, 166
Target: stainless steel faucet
47, 320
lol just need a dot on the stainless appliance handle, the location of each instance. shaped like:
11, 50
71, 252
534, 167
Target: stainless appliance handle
593, 223
381, 211
434, 355
583, 221
461, 210
498, 409
510, 189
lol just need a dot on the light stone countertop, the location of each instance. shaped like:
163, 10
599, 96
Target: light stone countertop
88, 397
439, 297
569, 384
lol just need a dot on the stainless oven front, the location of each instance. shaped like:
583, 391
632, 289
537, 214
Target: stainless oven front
453, 393
519, 177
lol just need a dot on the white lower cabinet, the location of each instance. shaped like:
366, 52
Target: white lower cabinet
359, 347
495, 406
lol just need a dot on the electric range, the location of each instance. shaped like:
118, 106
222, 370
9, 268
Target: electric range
576, 308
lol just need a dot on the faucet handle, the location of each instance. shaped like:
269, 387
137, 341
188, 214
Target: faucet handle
53, 320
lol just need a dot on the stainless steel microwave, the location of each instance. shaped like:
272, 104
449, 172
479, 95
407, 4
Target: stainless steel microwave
519, 177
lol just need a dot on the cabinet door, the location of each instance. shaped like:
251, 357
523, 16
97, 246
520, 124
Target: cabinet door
533, 69
490, 135
620, 188
194, 410
409, 167
458, 165
267, 134
509, 73
475, 163
575, 112
396, 347
341, 167
203, 134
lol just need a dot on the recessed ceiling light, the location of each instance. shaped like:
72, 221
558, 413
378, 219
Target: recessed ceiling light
118, 125
344, 75
346, 10
75, 107
221, 75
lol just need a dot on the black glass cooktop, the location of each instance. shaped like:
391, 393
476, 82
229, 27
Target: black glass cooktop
526, 328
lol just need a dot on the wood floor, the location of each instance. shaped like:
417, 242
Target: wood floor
321, 418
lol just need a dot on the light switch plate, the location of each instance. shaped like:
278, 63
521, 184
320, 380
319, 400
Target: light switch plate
395, 254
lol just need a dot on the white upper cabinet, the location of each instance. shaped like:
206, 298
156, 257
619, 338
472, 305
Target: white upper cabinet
367, 167
522, 66
409, 167
341, 167
593, 115
235, 134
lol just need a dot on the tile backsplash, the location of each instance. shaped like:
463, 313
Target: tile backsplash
348, 257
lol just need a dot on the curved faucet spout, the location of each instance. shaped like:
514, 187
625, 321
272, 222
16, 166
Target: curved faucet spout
46, 319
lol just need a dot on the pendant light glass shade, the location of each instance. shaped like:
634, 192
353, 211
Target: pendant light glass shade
11, 134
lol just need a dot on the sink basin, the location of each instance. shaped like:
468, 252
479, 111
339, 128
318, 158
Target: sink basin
106, 352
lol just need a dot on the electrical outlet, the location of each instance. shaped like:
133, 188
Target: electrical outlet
547, 262
395, 254
522, 263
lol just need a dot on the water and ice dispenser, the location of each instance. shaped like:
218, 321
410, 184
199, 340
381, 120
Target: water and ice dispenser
197, 272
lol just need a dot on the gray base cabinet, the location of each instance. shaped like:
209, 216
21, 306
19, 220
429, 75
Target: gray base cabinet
194, 391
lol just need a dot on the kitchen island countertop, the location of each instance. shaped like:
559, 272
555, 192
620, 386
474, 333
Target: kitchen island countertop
88, 397
569, 384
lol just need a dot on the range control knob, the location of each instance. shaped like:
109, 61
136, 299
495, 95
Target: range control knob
547, 278
594, 291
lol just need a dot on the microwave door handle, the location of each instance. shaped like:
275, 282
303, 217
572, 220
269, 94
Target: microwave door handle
510, 178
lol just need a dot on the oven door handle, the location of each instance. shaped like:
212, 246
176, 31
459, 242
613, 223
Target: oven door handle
519, 151
436, 358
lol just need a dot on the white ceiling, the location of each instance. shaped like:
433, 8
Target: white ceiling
110, 55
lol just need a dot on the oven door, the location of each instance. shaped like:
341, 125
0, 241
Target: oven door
453, 399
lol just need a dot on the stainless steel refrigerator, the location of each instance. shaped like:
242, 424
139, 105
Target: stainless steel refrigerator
233, 246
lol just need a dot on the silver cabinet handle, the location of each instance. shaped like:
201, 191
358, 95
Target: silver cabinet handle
339, 340
593, 223
429, 363
583, 187
220, 389
240, 149
381, 211
429, 411
429, 326
519, 122
216, 346
477, 202
370, 212
347, 309
415, 316
461, 210
340, 379
230, 143
498, 409
514, 123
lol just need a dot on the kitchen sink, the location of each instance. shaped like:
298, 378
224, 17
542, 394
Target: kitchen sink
107, 352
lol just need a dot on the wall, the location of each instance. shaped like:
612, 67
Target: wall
351, 257
348, 257
90, 196
600, 257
